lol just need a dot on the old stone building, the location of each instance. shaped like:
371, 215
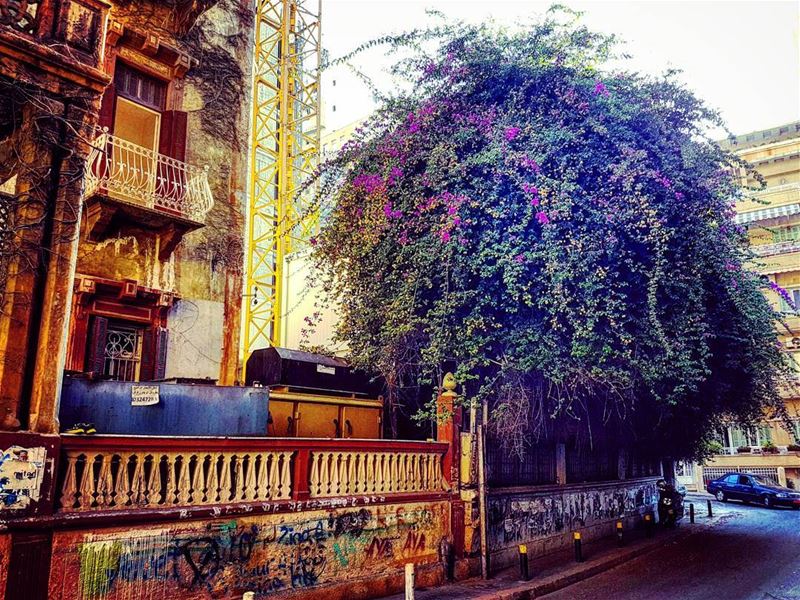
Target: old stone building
125, 134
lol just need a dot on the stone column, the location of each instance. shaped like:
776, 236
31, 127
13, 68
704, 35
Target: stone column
448, 429
561, 463
782, 476
51, 349
35, 144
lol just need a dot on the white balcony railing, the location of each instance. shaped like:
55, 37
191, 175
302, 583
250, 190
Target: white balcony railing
777, 248
126, 171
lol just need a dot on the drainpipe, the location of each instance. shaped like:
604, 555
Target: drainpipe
482, 489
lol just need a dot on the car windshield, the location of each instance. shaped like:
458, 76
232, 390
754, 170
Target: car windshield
759, 480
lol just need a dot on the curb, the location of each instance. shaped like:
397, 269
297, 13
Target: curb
528, 590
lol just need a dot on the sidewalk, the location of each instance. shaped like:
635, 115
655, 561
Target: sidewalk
554, 572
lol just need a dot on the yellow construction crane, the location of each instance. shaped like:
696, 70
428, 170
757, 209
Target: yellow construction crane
285, 151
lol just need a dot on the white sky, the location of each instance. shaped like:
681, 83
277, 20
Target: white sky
741, 57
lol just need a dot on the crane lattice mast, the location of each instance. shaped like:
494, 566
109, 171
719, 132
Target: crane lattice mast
285, 151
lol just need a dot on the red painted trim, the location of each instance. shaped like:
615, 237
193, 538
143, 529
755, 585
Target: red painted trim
249, 444
113, 518
300, 476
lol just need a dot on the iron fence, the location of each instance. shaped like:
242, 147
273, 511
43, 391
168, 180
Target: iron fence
505, 468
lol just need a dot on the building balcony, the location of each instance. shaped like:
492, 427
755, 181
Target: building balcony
771, 206
778, 248
128, 183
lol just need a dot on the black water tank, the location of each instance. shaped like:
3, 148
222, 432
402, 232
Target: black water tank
295, 368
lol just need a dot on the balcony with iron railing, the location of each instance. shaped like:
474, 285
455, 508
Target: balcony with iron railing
126, 182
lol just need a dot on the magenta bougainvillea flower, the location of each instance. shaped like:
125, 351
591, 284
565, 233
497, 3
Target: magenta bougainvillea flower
511, 133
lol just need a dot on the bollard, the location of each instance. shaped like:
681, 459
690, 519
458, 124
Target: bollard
409, 581
691, 512
710, 514
648, 525
620, 538
524, 575
578, 550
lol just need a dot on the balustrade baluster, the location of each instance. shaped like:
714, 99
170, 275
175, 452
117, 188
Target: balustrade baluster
314, 479
154, 483
350, 481
262, 478
86, 499
122, 485
225, 478
105, 484
69, 491
171, 483
212, 481
369, 473
286, 476
138, 484
250, 492
184, 479
198, 480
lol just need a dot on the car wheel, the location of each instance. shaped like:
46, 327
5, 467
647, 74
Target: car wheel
767, 502
721, 496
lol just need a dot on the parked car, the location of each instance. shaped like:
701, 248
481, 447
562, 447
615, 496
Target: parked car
751, 488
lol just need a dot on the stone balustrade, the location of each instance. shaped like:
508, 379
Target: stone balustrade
145, 479
108, 472
355, 473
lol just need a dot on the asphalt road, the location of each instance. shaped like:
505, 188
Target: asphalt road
752, 554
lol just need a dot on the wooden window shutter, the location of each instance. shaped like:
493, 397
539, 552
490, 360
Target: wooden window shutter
96, 352
154, 354
172, 140
146, 367
160, 367
107, 107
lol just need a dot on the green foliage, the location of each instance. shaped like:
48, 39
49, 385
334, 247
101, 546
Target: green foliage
559, 231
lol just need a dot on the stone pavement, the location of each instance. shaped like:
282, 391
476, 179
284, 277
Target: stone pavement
556, 571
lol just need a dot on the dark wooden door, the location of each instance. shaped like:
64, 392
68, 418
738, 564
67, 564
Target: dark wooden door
29, 567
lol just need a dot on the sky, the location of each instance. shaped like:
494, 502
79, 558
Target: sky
741, 57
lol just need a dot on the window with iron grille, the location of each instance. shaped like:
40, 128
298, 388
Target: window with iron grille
505, 468
122, 353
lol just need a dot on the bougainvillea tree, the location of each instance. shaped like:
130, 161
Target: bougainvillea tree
560, 231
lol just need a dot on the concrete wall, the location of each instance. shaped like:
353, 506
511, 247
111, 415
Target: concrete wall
545, 518
350, 552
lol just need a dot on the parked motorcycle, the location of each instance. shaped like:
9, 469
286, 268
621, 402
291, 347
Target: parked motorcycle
670, 503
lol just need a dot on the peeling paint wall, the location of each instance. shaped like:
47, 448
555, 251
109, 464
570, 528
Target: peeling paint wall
545, 520
267, 554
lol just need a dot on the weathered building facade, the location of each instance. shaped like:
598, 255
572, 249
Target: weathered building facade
125, 141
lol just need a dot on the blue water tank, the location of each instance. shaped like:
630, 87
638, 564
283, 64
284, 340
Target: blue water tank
156, 408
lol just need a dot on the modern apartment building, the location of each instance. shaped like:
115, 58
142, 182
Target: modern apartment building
773, 223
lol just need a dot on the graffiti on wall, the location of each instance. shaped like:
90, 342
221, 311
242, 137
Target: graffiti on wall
21, 475
523, 518
266, 554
